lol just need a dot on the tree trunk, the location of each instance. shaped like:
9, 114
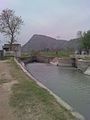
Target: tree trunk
11, 42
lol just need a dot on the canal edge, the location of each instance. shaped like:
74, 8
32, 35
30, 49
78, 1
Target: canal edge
77, 115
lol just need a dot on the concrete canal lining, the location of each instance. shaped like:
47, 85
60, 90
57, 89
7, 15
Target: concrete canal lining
59, 100
87, 72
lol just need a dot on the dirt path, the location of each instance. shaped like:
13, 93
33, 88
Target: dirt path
6, 81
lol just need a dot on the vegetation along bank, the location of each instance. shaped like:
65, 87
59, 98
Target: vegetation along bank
30, 101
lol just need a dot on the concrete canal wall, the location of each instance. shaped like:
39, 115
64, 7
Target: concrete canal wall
83, 64
41, 59
87, 72
64, 62
80, 64
70, 62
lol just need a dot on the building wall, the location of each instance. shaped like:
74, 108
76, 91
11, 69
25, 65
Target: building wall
1, 54
16, 51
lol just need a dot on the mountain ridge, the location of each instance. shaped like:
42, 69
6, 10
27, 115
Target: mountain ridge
42, 42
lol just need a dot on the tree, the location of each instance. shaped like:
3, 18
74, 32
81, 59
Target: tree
79, 34
10, 25
79, 41
86, 41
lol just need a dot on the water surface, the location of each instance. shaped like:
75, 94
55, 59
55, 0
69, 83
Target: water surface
72, 86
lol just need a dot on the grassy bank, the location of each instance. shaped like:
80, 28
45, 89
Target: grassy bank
2, 81
30, 102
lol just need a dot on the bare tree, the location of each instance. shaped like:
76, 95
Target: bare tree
10, 25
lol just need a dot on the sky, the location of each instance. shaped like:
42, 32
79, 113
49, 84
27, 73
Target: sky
56, 18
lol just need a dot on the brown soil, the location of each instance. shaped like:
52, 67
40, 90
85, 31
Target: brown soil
6, 81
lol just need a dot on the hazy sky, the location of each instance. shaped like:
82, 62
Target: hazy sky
50, 17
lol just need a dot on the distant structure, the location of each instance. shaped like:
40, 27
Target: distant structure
82, 52
16, 50
1, 54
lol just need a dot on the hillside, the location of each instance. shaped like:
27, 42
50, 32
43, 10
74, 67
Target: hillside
41, 42
73, 44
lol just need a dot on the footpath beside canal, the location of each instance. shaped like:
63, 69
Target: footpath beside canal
6, 82
22, 99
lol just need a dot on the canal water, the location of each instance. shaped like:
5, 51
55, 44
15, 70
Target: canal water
72, 86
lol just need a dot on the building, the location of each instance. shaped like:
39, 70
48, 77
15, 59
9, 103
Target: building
16, 50
1, 54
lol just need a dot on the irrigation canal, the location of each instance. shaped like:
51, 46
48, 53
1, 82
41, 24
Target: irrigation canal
72, 86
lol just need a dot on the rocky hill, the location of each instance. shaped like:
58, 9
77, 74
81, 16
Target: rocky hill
41, 42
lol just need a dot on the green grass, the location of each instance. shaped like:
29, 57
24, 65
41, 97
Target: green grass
2, 81
56, 54
86, 58
30, 102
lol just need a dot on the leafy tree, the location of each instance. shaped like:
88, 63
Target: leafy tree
10, 25
86, 41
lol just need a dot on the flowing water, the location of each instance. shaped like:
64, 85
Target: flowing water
72, 86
